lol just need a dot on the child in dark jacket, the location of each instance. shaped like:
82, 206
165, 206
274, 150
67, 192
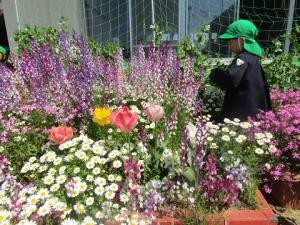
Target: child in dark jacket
244, 81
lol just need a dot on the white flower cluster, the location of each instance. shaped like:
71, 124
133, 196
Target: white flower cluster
87, 172
31, 201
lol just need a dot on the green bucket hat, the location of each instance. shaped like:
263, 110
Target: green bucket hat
246, 29
2, 50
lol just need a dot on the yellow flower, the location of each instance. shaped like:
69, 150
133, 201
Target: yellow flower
101, 116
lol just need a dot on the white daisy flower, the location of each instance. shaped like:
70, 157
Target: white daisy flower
32, 159
76, 170
90, 165
118, 178
43, 193
33, 199
109, 195
110, 130
34, 166
272, 148
4, 214
50, 202
44, 210
89, 201
225, 138
81, 155
43, 158
85, 146
32, 190
51, 158
213, 145
124, 198
27, 222
268, 166
116, 206
88, 221
112, 155
239, 140
54, 187
81, 186
31, 208
69, 222
57, 161
102, 161
25, 214
111, 178
96, 171
245, 125
259, 135
60, 206
113, 187
225, 129
269, 135
51, 172
43, 168
25, 168
116, 152
124, 151
95, 159
236, 120
62, 169
213, 131
106, 205
117, 164
260, 142
99, 150
48, 180
61, 179
22, 193
227, 120
99, 190
232, 133
256, 124
100, 215
100, 181
89, 178
76, 179
79, 208
68, 158
259, 151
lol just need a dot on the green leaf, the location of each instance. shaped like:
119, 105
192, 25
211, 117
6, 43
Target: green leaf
190, 174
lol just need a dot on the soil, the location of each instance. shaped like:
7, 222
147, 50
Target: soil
286, 216
243, 206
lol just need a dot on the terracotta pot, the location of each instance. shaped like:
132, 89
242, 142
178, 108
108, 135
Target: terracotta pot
261, 216
286, 196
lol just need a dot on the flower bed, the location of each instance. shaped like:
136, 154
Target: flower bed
85, 140
262, 215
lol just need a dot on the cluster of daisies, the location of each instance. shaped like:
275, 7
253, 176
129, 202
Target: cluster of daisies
83, 178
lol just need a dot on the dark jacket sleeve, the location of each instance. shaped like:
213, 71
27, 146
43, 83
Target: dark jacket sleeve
230, 78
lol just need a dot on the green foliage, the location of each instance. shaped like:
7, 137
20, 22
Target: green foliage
109, 49
284, 71
200, 58
48, 35
23, 144
157, 34
42, 35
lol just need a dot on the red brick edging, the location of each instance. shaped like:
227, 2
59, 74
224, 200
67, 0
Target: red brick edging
261, 216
